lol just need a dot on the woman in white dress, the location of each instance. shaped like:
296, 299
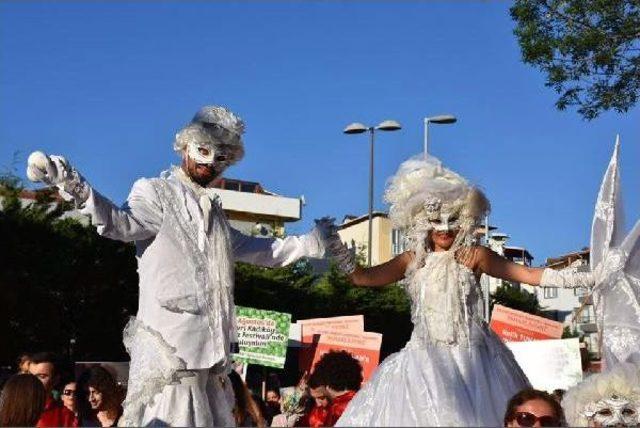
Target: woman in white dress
454, 371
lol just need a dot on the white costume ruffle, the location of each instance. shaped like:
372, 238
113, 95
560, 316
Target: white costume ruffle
453, 372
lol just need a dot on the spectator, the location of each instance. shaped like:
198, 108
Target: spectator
101, 399
69, 396
245, 411
44, 365
316, 414
341, 376
24, 360
22, 401
273, 405
533, 408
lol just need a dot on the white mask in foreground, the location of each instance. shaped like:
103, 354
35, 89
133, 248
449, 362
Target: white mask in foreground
442, 217
613, 411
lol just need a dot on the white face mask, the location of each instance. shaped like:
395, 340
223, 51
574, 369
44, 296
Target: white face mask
446, 223
613, 411
201, 153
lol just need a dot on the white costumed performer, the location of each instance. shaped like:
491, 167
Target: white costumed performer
180, 340
612, 398
454, 371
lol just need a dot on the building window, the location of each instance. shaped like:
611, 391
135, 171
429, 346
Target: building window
585, 317
550, 292
580, 291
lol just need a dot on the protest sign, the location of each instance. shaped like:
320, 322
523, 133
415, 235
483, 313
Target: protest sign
364, 346
517, 326
549, 364
312, 328
262, 336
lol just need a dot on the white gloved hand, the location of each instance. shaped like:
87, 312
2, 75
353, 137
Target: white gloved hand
338, 251
50, 170
56, 171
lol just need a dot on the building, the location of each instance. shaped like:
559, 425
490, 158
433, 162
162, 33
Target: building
249, 207
255, 211
386, 242
574, 306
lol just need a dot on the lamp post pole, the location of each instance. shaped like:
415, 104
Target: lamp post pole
359, 128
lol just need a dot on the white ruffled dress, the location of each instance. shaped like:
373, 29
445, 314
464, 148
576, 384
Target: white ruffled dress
453, 372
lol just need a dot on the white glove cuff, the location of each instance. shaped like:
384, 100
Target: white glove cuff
566, 278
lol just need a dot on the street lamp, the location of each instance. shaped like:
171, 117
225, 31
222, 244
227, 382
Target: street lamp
359, 128
443, 119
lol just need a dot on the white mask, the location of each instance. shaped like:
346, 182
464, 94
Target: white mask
613, 411
446, 223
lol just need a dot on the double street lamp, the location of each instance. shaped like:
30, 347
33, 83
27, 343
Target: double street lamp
443, 119
359, 128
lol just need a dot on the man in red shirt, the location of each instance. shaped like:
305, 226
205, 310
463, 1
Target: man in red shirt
338, 376
43, 366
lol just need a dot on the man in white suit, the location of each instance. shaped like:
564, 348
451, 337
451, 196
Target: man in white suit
180, 340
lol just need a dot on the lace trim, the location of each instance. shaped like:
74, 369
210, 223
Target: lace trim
153, 366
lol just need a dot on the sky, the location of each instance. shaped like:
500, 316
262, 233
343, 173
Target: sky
107, 85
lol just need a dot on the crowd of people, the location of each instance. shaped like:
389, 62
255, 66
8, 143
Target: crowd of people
44, 393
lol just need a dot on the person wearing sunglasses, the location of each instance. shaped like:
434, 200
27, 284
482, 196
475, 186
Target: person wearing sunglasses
68, 396
533, 408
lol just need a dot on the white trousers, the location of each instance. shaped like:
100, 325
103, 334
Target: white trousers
199, 399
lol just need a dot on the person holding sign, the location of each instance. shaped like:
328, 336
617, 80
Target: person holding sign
180, 340
454, 371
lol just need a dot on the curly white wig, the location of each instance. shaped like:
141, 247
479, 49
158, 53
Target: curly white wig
421, 189
621, 381
217, 127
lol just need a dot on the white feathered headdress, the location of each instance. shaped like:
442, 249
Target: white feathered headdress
421, 190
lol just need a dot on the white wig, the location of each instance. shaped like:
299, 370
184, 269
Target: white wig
621, 382
420, 190
217, 127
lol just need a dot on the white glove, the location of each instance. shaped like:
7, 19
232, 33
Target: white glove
567, 278
328, 234
56, 171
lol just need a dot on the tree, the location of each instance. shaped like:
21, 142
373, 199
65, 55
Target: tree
588, 49
514, 298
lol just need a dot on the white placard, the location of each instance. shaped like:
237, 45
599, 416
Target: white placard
549, 364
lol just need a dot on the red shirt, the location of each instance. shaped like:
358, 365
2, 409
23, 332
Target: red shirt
337, 408
56, 415
315, 418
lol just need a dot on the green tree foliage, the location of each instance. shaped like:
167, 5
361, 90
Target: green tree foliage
514, 298
588, 49
61, 281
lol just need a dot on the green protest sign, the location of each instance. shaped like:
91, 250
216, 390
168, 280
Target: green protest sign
262, 336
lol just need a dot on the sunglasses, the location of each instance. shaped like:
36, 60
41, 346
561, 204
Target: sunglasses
69, 392
526, 419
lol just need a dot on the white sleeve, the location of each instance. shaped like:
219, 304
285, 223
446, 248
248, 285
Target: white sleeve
274, 252
138, 219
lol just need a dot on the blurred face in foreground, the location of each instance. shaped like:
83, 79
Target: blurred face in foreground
69, 396
534, 413
443, 240
320, 396
45, 372
95, 398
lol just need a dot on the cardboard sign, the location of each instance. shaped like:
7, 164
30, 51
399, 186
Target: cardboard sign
262, 336
517, 326
345, 324
364, 346
311, 329
549, 364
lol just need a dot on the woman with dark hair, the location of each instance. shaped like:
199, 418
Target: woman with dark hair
533, 408
246, 411
22, 401
100, 398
